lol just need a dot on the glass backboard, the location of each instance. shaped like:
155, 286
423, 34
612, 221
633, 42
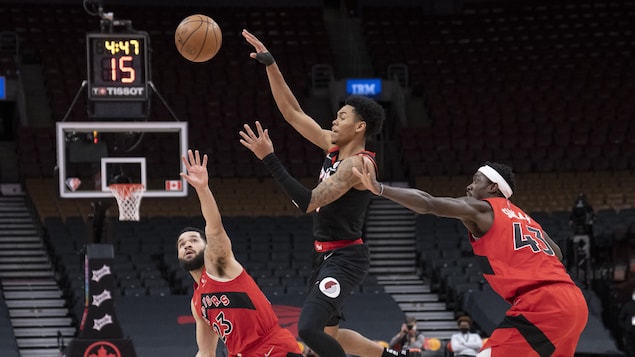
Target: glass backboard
93, 155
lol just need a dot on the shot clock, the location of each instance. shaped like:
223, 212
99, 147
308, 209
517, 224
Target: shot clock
117, 66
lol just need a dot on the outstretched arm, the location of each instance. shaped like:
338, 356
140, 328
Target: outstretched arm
284, 98
219, 258
307, 200
472, 212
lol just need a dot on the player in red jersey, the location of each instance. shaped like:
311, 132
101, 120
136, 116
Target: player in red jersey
518, 258
227, 304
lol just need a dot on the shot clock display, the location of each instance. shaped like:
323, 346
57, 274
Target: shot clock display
117, 66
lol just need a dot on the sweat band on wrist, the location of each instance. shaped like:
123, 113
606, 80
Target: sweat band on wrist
300, 195
265, 58
381, 189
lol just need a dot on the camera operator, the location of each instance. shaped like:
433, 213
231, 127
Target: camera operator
408, 337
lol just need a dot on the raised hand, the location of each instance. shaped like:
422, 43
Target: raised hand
196, 174
260, 144
262, 55
367, 179
254, 41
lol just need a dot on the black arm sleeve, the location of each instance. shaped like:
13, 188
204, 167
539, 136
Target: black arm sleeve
300, 195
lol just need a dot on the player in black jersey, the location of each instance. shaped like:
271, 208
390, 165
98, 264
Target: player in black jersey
338, 203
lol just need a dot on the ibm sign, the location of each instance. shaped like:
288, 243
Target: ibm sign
3, 88
370, 87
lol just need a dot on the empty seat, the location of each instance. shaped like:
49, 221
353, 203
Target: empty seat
134, 291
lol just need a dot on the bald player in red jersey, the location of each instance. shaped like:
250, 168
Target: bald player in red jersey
227, 304
518, 258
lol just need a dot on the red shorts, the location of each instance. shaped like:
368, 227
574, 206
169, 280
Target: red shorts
543, 322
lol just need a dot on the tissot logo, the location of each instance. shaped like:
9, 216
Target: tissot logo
119, 91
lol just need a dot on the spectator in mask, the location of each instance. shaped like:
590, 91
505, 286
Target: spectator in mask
465, 343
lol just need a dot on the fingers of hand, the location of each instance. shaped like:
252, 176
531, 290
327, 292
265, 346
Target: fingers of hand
245, 138
250, 132
190, 155
253, 40
246, 144
259, 128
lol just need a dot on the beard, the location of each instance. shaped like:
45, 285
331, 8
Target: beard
194, 264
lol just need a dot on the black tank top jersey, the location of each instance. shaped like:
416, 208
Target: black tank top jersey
344, 218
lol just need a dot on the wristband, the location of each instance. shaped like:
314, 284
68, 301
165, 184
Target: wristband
265, 58
381, 189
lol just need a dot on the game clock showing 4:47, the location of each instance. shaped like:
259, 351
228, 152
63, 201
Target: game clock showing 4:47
117, 66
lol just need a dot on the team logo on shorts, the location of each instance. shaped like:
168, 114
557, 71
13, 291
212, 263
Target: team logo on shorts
330, 287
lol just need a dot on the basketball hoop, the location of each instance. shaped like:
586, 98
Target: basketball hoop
128, 197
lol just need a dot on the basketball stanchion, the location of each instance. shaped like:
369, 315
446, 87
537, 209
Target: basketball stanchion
128, 197
100, 332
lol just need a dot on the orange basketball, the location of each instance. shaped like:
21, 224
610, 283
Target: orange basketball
198, 38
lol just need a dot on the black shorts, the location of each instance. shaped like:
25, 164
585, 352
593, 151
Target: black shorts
336, 273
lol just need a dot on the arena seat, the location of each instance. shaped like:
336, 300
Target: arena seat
485, 92
551, 82
306, 41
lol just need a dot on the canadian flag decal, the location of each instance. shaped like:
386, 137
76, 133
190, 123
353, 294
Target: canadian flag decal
173, 185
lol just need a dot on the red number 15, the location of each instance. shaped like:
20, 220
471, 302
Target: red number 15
127, 72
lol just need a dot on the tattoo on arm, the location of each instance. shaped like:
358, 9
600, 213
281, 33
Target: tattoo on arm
335, 186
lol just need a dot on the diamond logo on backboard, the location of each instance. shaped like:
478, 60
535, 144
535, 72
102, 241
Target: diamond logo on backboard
73, 183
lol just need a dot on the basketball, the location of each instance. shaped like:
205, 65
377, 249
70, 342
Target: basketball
198, 38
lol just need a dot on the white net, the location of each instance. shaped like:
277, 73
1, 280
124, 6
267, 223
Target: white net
128, 197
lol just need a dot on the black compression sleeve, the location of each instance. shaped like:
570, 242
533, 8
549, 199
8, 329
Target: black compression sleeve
300, 195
